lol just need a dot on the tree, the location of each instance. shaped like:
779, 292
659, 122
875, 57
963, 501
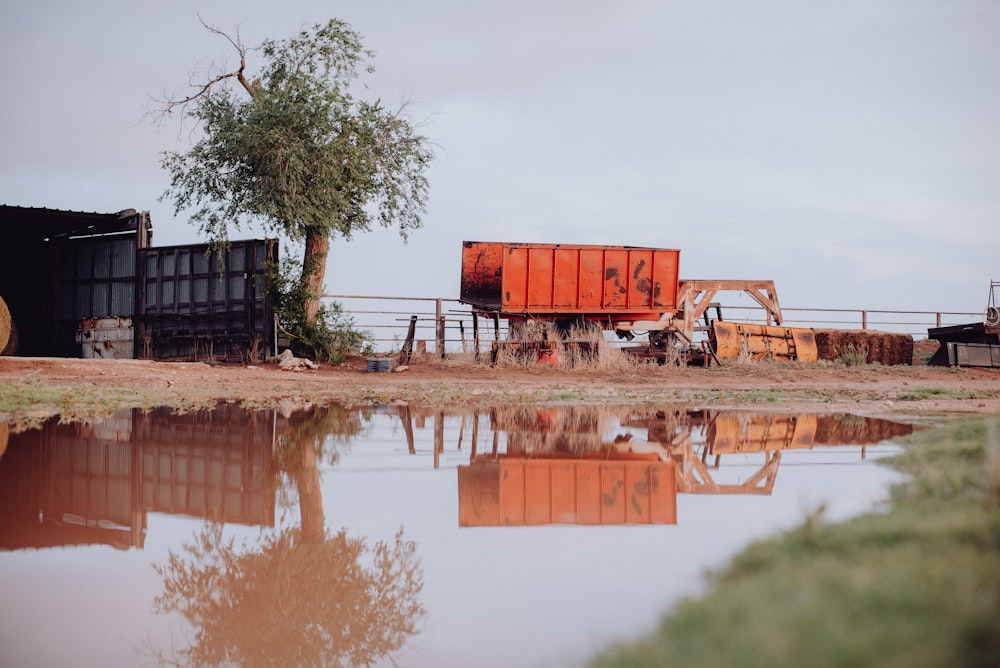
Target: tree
294, 150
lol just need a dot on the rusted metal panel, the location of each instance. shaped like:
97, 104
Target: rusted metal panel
553, 280
106, 338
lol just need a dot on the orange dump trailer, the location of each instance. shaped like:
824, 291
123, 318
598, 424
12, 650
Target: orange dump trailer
606, 284
519, 491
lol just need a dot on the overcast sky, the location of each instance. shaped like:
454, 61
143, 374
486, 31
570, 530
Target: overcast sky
848, 150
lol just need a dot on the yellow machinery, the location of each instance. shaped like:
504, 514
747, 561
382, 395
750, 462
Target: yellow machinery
731, 340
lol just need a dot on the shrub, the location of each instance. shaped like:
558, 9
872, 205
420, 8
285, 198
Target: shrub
334, 333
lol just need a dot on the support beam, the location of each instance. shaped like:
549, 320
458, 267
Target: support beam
694, 298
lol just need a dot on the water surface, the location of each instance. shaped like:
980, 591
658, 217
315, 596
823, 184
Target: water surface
518, 535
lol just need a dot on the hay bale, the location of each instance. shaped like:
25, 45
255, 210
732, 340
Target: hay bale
847, 429
877, 347
5, 324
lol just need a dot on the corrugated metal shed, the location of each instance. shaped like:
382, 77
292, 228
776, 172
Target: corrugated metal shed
60, 267
65, 275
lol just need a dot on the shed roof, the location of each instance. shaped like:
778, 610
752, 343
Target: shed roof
32, 225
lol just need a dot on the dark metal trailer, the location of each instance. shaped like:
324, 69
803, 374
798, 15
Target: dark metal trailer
972, 344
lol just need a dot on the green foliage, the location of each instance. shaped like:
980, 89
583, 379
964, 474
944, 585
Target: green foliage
294, 151
916, 586
328, 339
297, 151
925, 393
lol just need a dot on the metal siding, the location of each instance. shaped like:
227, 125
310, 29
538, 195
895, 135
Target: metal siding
196, 306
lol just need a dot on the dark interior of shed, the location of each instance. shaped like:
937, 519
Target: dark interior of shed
55, 266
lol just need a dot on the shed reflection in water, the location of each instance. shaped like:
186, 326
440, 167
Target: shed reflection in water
302, 594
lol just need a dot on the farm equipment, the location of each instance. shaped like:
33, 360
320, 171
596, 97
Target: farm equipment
584, 289
972, 344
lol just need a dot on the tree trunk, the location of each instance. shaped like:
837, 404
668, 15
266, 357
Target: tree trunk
306, 476
314, 271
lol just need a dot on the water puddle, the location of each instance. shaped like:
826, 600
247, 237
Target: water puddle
392, 533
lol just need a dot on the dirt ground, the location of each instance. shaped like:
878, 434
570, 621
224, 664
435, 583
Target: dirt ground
822, 387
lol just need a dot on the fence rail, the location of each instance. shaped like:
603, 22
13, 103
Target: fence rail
445, 325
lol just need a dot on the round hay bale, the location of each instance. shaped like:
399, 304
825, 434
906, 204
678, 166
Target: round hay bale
5, 324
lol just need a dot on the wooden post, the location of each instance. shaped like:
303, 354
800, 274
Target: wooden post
407, 352
438, 438
864, 320
439, 330
475, 435
475, 334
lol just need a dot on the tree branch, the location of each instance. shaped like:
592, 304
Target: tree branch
168, 105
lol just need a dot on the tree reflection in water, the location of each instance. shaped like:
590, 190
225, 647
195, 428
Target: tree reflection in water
302, 596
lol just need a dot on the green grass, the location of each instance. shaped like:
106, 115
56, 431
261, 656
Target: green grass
927, 393
916, 586
941, 393
30, 401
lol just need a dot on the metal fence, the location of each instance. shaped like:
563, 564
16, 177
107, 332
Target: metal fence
444, 325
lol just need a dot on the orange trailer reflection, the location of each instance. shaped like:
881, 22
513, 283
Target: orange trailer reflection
614, 465
514, 491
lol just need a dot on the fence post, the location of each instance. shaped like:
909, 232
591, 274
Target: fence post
937, 320
407, 353
864, 320
439, 327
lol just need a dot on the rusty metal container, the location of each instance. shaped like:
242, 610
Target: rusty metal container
519, 491
553, 280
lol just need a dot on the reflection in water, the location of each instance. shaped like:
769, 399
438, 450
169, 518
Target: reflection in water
303, 594
94, 482
291, 600
609, 465
300, 596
